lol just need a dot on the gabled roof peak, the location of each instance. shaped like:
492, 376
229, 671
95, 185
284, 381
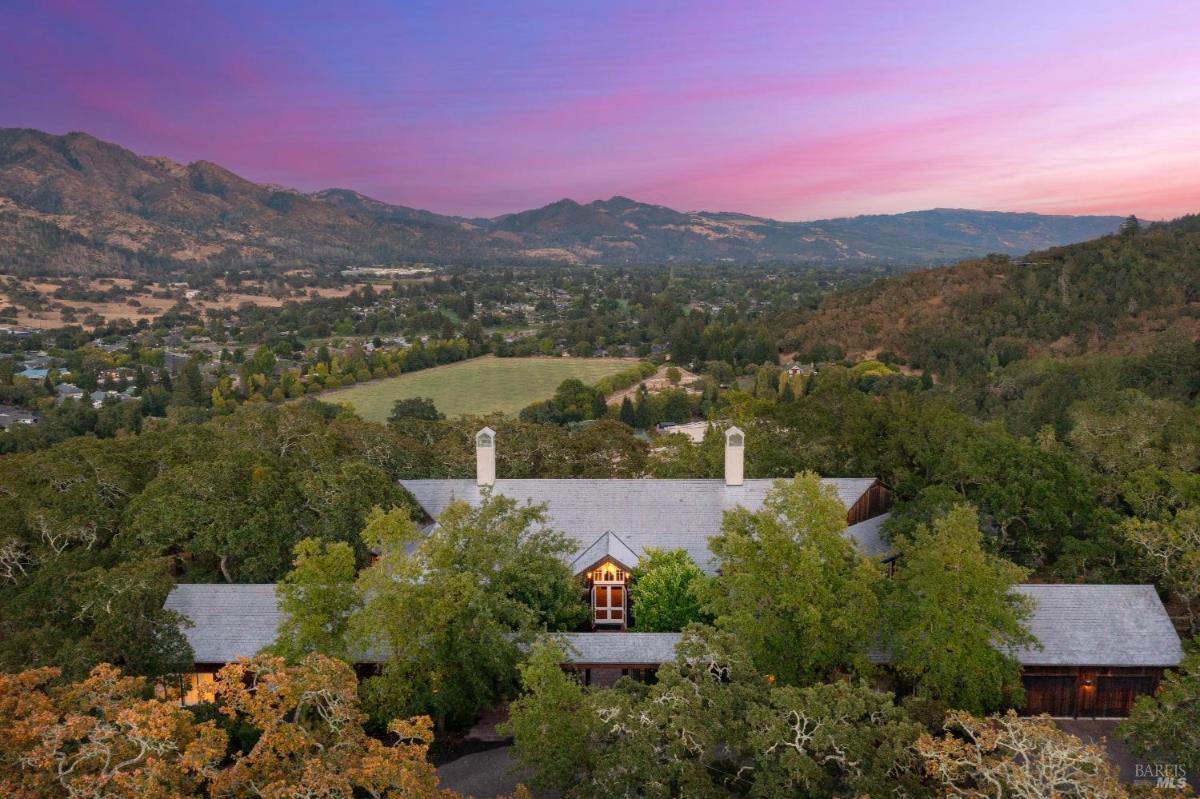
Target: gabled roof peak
608, 546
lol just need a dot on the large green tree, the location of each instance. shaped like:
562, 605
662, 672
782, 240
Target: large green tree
793, 589
317, 598
1167, 725
665, 596
951, 613
1170, 549
451, 610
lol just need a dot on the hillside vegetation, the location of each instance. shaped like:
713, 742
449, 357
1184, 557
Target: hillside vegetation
1112, 295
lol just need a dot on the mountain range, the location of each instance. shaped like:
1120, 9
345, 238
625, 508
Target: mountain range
74, 203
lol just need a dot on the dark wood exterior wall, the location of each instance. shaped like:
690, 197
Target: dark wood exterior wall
605, 674
1086, 691
1057, 690
876, 500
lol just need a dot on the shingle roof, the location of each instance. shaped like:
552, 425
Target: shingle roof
869, 537
1100, 625
1078, 625
666, 514
228, 621
625, 648
607, 545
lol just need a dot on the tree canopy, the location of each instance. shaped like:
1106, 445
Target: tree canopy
666, 591
796, 592
951, 615
450, 611
711, 726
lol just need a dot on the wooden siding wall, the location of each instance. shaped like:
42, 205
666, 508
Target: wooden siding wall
875, 501
1065, 691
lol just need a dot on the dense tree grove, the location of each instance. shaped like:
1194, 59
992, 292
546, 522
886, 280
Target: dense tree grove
711, 726
94, 532
446, 615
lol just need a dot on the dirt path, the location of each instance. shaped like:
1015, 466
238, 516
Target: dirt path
654, 383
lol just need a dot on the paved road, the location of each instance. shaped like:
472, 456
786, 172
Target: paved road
485, 775
1093, 730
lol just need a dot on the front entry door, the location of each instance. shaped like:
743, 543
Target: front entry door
608, 603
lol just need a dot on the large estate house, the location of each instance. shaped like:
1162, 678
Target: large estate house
1101, 646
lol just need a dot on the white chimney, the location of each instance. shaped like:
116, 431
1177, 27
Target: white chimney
485, 457
735, 456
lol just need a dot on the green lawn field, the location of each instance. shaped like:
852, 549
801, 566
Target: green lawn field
478, 386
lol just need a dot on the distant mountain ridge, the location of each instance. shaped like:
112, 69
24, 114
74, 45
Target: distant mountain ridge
74, 203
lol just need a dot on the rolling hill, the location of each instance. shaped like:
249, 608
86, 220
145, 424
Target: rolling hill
74, 203
1112, 294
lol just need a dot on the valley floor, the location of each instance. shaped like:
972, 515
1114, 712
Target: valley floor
478, 386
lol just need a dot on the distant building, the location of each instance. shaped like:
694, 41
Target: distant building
801, 369
10, 417
65, 391
98, 398
693, 430
36, 360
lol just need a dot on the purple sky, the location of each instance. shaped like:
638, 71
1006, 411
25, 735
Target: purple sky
791, 110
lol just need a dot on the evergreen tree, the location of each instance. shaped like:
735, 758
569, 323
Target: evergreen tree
641, 410
599, 406
627, 415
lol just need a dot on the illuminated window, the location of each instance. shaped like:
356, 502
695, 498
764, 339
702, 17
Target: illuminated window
199, 687
609, 573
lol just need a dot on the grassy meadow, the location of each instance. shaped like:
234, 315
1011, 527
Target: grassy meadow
478, 386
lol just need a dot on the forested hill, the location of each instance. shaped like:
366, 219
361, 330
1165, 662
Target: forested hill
1114, 294
77, 204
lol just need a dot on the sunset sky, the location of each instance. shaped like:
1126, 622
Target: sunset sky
789, 110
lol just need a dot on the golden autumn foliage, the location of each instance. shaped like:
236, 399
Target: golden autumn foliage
312, 742
101, 737
111, 736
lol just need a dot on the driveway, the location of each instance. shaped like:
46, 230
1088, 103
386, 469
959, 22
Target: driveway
488, 774
1134, 769
485, 775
